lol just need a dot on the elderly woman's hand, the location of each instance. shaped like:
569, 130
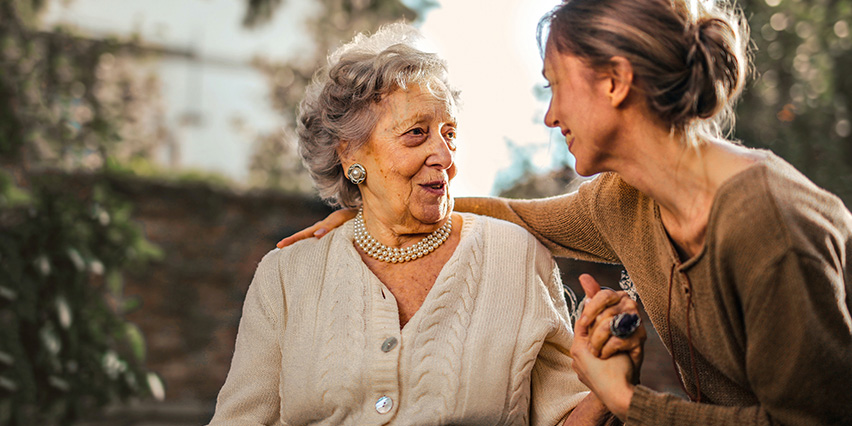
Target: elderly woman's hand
608, 379
335, 219
600, 307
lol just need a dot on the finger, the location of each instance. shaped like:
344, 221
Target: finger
599, 333
633, 346
301, 235
590, 285
629, 344
317, 230
637, 355
597, 304
600, 330
337, 218
623, 305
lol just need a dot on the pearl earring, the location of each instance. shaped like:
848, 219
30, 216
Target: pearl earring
357, 173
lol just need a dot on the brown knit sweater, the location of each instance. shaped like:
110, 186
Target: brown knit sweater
770, 292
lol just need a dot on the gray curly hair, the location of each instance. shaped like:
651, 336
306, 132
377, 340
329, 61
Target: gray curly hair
339, 102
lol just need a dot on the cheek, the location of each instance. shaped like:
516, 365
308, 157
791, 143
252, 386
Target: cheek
451, 172
398, 169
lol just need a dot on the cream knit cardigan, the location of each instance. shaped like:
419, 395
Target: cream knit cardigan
489, 345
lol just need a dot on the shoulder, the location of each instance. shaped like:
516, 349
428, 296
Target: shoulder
289, 265
510, 243
774, 209
309, 248
488, 225
500, 233
611, 191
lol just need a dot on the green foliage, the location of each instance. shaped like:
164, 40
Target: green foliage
65, 347
799, 104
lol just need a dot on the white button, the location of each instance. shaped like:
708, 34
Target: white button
384, 404
389, 344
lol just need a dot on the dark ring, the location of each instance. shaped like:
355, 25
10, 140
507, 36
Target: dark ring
624, 325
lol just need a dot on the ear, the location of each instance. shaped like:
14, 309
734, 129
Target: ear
344, 154
620, 80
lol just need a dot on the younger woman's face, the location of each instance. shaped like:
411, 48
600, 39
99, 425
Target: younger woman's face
580, 109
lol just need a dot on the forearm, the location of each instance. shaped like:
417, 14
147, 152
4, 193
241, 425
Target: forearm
487, 206
648, 407
562, 224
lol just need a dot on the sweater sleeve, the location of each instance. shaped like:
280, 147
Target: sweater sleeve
564, 224
798, 353
250, 395
556, 389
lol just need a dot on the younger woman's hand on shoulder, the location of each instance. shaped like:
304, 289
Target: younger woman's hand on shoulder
317, 230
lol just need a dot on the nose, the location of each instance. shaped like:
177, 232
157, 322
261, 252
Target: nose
443, 151
550, 117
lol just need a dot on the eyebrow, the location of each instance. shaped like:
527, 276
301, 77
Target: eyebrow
422, 118
408, 122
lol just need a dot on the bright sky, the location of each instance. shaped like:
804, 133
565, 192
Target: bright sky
490, 47
494, 59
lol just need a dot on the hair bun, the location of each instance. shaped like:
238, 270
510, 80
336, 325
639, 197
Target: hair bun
715, 72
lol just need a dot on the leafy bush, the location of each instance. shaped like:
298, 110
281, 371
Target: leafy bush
64, 345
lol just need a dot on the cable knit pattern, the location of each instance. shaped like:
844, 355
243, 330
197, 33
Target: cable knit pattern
471, 354
440, 337
345, 326
519, 400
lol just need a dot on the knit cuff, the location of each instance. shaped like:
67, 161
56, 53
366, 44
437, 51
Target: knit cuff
642, 408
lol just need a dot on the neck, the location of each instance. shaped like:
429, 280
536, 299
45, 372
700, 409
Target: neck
391, 231
375, 249
683, 180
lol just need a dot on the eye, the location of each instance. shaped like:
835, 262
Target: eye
450, 136
418, 131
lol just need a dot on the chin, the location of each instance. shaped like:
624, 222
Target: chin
582, 170
587, 168
433, 213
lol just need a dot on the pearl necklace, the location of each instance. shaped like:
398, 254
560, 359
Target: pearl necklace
383, 253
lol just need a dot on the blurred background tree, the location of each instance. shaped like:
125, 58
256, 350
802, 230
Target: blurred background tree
799, 103
65, 102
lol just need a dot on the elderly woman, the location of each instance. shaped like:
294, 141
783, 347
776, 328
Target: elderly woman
408, 314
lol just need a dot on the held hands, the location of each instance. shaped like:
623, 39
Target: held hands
609, 366
600, 306
320, 228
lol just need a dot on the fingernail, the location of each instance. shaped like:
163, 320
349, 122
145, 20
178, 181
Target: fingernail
280, 244
320, 232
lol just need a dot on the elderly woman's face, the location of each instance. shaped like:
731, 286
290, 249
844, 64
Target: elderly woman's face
409, 159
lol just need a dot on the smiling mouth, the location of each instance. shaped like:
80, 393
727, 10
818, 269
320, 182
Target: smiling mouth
437, 187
